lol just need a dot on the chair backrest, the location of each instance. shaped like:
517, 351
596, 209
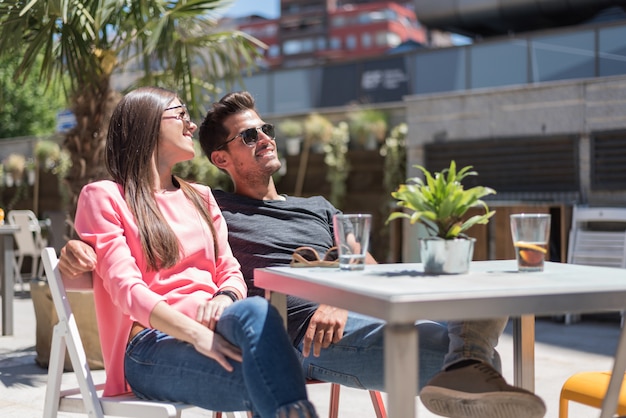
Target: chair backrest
28, 238
598, 237
66, 336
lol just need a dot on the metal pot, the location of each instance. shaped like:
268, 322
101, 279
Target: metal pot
446, 256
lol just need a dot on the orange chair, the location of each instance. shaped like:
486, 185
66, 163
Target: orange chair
333, 412
589, 388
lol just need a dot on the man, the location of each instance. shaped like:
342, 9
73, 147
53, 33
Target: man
266, 227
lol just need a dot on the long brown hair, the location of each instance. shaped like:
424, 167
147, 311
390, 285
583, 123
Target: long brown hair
132, 139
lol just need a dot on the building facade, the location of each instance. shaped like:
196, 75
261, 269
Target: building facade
540, 114
313, 32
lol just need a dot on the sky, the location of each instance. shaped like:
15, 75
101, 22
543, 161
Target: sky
266, 8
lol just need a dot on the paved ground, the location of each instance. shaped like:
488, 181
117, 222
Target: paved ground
560, 351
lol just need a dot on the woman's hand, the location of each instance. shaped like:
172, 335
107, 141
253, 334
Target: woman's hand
210, 312
205, 341
216, 347
77, 257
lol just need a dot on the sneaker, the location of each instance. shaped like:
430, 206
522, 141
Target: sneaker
478, 391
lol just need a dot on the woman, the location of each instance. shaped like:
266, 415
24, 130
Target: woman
173, 321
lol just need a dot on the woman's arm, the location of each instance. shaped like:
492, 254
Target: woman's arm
170, 321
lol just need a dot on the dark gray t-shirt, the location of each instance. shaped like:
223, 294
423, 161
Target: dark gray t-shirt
264, 233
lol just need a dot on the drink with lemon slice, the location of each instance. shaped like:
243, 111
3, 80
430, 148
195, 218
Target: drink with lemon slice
530, 255
531, 234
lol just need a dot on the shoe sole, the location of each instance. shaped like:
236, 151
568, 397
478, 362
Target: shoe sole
455, 404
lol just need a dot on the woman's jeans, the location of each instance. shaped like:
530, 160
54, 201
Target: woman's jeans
269, 381
357, 359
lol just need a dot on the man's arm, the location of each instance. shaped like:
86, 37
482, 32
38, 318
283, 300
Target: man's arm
76, 258
327, 323
325, 327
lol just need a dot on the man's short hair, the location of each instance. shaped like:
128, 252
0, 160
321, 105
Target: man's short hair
212, 133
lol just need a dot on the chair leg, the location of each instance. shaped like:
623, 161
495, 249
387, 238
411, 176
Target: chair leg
379, 405
17, 265
333, 410
563, 407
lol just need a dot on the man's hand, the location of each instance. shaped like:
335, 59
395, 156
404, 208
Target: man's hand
326, 327
76, 258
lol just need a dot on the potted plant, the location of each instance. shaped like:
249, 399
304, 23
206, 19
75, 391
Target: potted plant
14, 167
291, 130
368, 127
318, 131
440, 203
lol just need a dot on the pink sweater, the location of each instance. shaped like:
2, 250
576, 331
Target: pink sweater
125, 290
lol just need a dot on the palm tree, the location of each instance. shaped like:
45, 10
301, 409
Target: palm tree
172, 43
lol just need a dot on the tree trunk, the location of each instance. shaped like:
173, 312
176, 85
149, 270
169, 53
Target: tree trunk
92, 105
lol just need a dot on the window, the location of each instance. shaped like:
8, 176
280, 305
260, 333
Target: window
338, 22
440, 70
321, 43
388, 39
612, 51
298, 46
351, 42
561, 57
366, 40
499, 64
273, 51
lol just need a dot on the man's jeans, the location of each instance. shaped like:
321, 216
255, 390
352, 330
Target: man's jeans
475, 340
357, 359
269, 382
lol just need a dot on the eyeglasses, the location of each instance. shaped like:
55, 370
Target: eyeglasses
183, 115
250, 136
308, 257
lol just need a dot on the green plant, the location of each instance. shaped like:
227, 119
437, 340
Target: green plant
394, 151
47, 153
366, 123
338, 165
15, 164
440, 202
200, 170
317, 129
290, 128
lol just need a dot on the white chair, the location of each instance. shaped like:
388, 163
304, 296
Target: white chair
29, 242
86, 398
597, 238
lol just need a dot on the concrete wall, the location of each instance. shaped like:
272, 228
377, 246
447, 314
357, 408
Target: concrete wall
574, 107
579, 108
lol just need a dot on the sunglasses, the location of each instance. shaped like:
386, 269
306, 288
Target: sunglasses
250, 136
308, 257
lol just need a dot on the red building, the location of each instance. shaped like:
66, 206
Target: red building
311, 32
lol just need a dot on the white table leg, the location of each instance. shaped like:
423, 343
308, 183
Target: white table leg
6, 251
609, 404
524, 352
401, 370
279, 301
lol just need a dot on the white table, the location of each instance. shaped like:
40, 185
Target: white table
6, 267
400, 294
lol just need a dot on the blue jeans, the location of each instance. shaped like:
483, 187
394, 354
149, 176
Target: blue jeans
475, 340
357, 359
269, 381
